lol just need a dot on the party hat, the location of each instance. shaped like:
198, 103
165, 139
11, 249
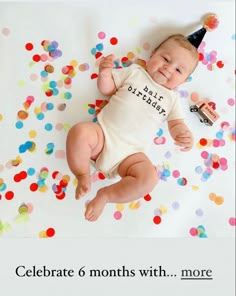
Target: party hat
210, 22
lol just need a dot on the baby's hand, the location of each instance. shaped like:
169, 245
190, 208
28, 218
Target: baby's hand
106, 65
185, 140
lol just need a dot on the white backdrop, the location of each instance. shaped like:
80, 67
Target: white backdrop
34, 123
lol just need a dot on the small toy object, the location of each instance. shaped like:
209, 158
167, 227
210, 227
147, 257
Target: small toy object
205, 111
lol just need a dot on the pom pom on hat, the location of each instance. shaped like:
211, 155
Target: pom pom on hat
210, 22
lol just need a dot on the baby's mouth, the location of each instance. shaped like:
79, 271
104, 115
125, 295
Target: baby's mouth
163, 74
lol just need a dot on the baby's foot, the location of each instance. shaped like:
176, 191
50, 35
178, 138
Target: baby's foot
95, 207
84, 185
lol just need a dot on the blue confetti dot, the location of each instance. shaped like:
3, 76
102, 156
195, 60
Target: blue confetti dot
159, 132
99, 46
40, 116
219, 135
93, 51
50, 106
31, 171
44, 73
19, 124
52, 84
48, 127
91, 111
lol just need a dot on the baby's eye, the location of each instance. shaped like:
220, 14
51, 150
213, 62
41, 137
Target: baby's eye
166, 59
178, 70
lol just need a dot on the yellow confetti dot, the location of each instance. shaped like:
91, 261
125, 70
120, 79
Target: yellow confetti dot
130, 55
66, 126
74, 63
1, 117
120, 207
37, 110
42, 234
134, 205
198, 145
195, 188
139, 50
66, 178
21, 83
32, 134
75, 182
163, 210
44, 188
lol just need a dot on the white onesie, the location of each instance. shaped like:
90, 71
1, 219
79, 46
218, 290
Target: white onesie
133, 116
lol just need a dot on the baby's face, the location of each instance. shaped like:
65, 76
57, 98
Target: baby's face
171, 64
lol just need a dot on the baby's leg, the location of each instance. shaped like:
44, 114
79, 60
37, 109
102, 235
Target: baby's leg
139, 177
84, 141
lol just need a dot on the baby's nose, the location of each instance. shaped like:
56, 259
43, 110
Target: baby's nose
168, 68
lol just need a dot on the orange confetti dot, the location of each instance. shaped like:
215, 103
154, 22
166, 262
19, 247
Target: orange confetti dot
219, 200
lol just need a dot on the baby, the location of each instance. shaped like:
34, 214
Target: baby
140, 101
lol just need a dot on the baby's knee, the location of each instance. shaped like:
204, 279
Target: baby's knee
151, 179
148, 180
77, 130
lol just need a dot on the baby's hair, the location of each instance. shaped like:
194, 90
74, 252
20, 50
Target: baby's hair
182, 41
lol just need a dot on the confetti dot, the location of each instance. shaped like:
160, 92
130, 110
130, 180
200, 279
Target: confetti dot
157, 220
9, 195
48, 127
193, 231
50, 232
147, 197
113, 41
5, 31
231, 102
36, 58
203, 141
117, 215
120, 207
220, 64
101, 35
34, 187
232, 221
19, 124
175, 173
199, 212
29, 46
175, 205
1, 117
182, 181
32, 134
194, 97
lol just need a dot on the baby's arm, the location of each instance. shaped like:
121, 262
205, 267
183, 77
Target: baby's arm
181, 134
105, 82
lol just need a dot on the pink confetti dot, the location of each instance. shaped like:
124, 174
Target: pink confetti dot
193, 231
216, 143
232, 221
101, 35
117, 215
5, 31
204, 154
231, 102
175, 173
223, 161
